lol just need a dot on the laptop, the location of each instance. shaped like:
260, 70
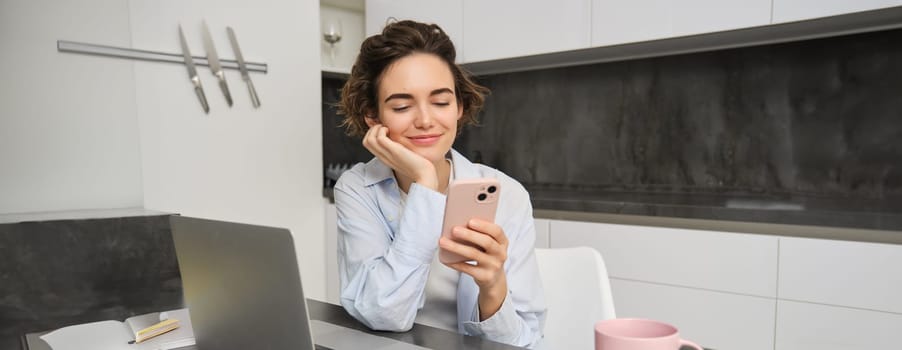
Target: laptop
243, 291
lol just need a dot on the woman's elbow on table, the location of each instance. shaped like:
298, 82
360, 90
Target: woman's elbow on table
378, 319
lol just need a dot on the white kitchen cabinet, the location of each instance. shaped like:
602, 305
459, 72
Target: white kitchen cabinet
447, 14
619, 22
745, 291
331, 222
542, 233
853, 274
714, 320
720, 261
708, 16
501, 29
823, 327
796, 10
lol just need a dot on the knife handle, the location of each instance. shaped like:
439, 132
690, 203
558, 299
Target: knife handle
254, 99
199, 91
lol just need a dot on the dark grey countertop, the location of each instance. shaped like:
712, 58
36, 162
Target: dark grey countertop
854, 219
873, 214
421, 335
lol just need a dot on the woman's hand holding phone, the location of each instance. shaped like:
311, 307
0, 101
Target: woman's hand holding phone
399, 158
469, 234
485, 243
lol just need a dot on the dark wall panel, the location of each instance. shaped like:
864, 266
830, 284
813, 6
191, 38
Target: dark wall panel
819, 117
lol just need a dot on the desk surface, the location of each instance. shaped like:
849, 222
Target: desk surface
425, 336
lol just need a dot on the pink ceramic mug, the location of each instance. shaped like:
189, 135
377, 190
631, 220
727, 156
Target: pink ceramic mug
638, 334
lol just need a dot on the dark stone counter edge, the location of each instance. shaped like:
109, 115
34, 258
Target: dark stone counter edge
825, 224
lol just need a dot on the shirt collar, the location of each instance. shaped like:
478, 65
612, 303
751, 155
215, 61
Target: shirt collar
375, 171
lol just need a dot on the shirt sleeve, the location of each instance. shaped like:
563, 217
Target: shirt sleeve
521, 318
382, 273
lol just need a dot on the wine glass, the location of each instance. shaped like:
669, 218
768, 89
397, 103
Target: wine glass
332, 35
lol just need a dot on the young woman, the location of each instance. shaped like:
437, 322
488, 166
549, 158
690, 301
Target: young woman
408, 99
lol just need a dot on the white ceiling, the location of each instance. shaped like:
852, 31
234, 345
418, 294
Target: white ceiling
354, 5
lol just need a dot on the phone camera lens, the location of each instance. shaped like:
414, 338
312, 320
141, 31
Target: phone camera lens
492, 189
481, 197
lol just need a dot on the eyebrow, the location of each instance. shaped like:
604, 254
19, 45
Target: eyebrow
409, 96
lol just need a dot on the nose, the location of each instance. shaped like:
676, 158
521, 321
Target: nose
423, 119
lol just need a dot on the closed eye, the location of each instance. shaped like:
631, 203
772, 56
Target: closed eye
400, 109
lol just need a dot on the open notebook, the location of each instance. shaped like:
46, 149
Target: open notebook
113, 335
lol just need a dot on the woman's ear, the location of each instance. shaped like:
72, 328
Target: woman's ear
370, 120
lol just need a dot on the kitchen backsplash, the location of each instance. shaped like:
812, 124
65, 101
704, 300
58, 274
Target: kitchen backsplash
819, 117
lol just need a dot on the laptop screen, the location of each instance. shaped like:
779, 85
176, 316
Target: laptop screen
241, 284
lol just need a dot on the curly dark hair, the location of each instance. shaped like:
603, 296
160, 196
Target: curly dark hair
398, 40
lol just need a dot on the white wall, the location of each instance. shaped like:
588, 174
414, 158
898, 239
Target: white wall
258, 166
88, 132
352, 36
68, 122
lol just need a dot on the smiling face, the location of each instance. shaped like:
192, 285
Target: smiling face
416, 102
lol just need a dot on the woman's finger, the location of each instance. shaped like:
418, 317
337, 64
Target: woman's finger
466, 251
485, 242
474, 271
489, 228
369, 140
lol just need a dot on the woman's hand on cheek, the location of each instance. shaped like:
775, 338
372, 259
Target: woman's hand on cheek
486, 244
399, 158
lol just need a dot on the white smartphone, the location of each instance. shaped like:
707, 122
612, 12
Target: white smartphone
468, 199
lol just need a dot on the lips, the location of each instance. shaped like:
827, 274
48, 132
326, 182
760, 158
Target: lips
425, 140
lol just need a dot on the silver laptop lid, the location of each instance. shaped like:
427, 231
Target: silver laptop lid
241, 285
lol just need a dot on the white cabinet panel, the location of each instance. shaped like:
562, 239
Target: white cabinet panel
447, 14
617, 22
855, 274
711, 319
331, 221
706, 16
511, 28
542, 233
822, 327
795, 10
731, 262
69, 135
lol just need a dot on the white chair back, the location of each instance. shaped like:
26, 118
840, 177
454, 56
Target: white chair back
577, 294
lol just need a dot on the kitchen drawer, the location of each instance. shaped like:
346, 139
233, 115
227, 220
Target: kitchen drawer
823, 327
712, 319
853, 274
721, 261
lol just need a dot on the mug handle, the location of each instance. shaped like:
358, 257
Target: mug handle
689, 343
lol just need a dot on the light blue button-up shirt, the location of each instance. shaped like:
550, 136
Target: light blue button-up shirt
384, 253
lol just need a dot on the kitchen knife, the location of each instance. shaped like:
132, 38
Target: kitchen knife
243, 67
192, 72
215, 67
